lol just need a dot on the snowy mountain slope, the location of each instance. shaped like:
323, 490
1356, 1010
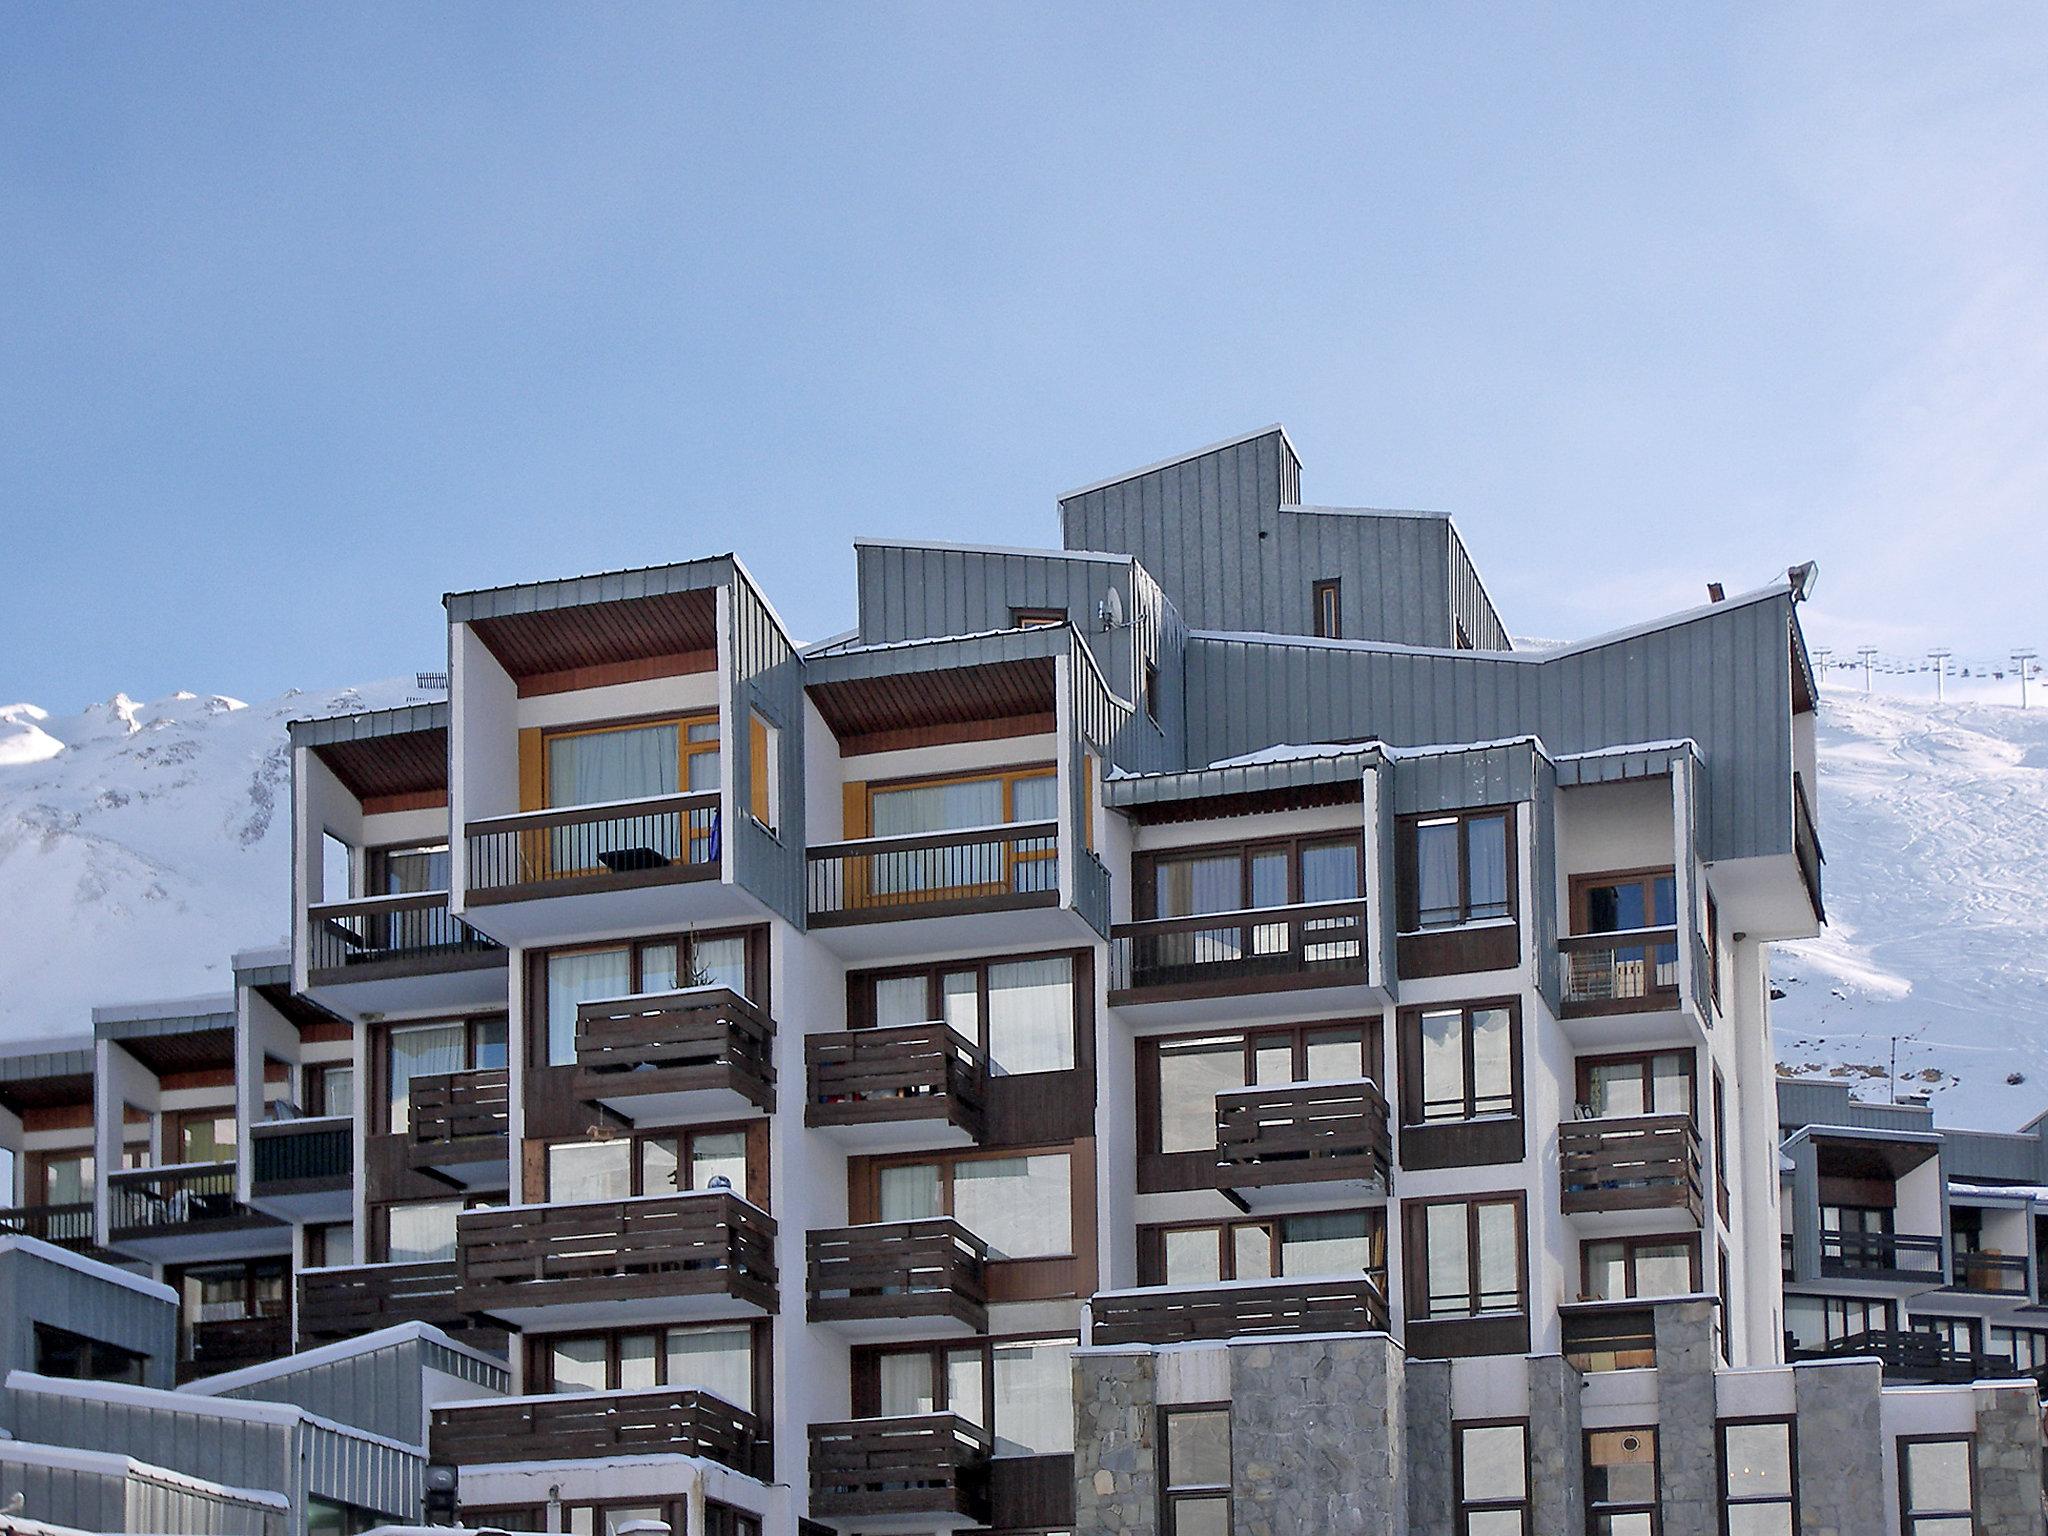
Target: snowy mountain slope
1934, 819
140, 844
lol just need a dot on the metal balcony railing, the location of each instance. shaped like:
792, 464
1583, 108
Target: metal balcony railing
415, 929
638, 842
931, 874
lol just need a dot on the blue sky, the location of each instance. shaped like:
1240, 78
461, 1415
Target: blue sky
308, 315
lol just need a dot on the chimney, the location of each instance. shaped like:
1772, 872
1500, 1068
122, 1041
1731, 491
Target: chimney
1714, 592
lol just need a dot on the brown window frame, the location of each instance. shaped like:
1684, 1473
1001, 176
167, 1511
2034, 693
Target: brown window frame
1645, 1059
1326, 608
540, 1365
1171, 1494
753, 936
1630, 1242
753, 1133
685, 748
171, 1131
1465, 1508
1413, 1110
1583, 885
379, 1108
1909, 1518
1721, 1196
865, 1175
1655, 1505
1408, 879
1037, 618
860, 995
1415, 1254
1145, 868
1152, 1244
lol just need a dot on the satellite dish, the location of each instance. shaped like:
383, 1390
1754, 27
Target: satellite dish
1111, 612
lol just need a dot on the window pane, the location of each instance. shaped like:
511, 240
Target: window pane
658, 1166
590, 1170
1031, 1015
1495, 1464
1269, 877
596, 766
1663, 1269
1251, 1249
1186, 887
1022, 1207
1500, 1259
1190, 1077
1938, 1475
636, 1362
960, 1004
1760, 1519
574, 979
422, 1232
719, 963
909, 1192
937, 807
579, 1365
902, 1000
715, 1360
1335, 1244
719, 1155
1197, 1450
1494, 1522
1486, 843
1493, 1073
1035, 799
658, 968
1273, 1062
1206, 1515
1621, 1467
1449, 1263
1436, 872
1758, 1460
966, 1385
1616, 1088
487, 1050
1329, 872
906, 1384
1606, 1271
421, 1051
1443, 1066
1034, 1390
1336, 1055
1193, 1256
1671, 1085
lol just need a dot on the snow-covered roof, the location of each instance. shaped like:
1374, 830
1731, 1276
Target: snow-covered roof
326, 1354
161, 1400
115, 1464
50, 1253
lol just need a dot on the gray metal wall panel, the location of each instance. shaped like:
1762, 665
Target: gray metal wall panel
1824, 1104
580, 591
2011, 1159
230, 1451
369, 724
1543, 861
382, 1390
36, 1290
62, 1495
766, 675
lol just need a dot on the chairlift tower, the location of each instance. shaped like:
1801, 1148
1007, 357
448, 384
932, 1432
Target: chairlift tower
2024, 660
1939, 656
1869, 654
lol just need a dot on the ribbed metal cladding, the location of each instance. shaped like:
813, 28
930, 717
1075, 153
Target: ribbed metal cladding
766, 676
1465, 780
1543, 861
236, 1452
378, 1390
37, 1290
32, 1066
364, 1473
581, 591
370, 724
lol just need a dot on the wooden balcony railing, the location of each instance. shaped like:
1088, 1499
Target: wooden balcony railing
932, 1464
1806, 845
933, 874
1990, 1274
628, 842
302, 1152
1297, 1133
343, 1303
899, 1269
448, 1107
68, 1225
415, 932
583, 1425
143, 1200
1629, 972
1632, 1163
1221, 953
616, 1250
1899, 1256
217, 1344
1909, 1355
1238, 1309
905, 1072
692, 1040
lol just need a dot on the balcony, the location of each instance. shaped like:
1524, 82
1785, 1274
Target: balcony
408, 950
300, 1170
1236, 1309
1882, 1258
657, 1258
1982, 1273
1624, 1166
355, 1299
899, 1279
1632, 972
68, 1226
884, 897
1289, 1143
698, 1053
186, 1212
907, 1088
1193, 969
933, 1466
1911, 1357
581, 1426
216, 1344
458, 1124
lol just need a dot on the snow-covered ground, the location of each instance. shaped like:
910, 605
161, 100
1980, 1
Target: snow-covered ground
141, 844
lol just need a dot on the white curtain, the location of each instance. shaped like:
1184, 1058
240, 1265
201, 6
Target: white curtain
1487, 856
425, 1051
910, 1192
595, 767
1031, 1015
422, 1232
715, 1360
1190, 1077
1436, 872
574, 979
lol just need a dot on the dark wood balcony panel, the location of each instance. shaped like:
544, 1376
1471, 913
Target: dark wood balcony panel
927, 1269
336, 1304
68, 1226
579, 1426
1178, 1314
615, 1251
905, 1072
292, 1156
1226, 954
937, 874
1635, 972
696, 1040
1900, 1258
459, 1112
392, 936
1459, 1338
1990, 1274
1297, 1133
932, 1464
1638, 1163
1911, 1356
214, 1345
655, 841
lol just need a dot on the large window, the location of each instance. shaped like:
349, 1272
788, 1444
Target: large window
1186, 1074
405, 869
73, 1356
1621, 1483
1313, 1244
59, 1178
666, 964
433, 1050
1814, 1322
1465, 1063
960, 803
1020, 1390
1459, 869
1022, 1012
1938, 1486
1625, 903
2026, 1348
1623, 1268
420, 1231
1652, 1083
1467, 1257
1194, 1471
1021, 1204
660, 1164
200, 1136
1759, 1496
1492, 1478
718, 1359
1249, 876
598, 764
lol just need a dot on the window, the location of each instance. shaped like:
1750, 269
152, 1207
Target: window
1194, 1471
331, 1245
666, 964
1151, 691
1034, 1396
595, 764
1037, 618
718, 1359
1624, 1268
1466, 1063
59, 1178
1308, 1245
728, 1520
329, 1088
1248, 877
1182, 1077
661, 1164
73, 1356
1656, 1083
1720, 1146
956, 803
2026, 1348
406, 869
1327, 601
233, 1293
335, 857
1460, 869
1938, 1486
200, 1136
1021, 1390
420, 1231
434, 1050
1624, 904
764, 780
1814, 1322
1758, 1497
1621, 1483
1714, 948
1491, 1475
1467, 1257
1020, 1204
1021, 1012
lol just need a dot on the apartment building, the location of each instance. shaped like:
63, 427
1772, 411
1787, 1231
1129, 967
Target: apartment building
1187, 1031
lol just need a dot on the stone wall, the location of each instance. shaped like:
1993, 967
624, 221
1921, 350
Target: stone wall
1116, 1467
1426, 1405
1687, 1447
1841, 1447
2008, 1462
1557, 1447
1318, 1437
